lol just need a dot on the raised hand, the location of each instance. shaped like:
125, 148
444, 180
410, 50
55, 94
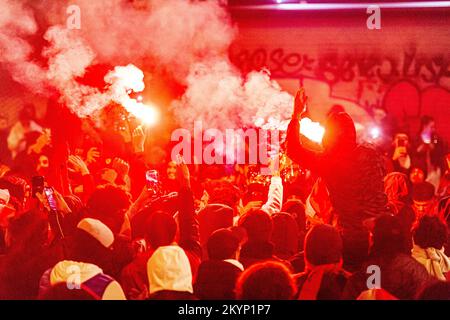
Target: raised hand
183, 172
78, 165
121, 167
92, 155
138, 139
299, 103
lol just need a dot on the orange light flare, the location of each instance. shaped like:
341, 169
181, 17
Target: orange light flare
147, 113
312, 130
126, 80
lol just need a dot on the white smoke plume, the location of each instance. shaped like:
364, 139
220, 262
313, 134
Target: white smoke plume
16, 23
188, 39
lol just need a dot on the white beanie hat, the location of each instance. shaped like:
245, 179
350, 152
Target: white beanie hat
4, 195
169, 269
98, 230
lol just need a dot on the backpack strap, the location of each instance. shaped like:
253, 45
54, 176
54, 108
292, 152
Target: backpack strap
97, 285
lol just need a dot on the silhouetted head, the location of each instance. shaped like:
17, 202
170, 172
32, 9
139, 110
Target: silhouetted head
340, 133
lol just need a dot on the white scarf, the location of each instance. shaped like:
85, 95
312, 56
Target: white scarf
434, 260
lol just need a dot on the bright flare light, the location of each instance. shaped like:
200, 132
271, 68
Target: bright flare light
128, 79
148, 114
375, 132
312, 130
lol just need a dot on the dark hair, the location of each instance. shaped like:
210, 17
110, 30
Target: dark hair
222, 244
108, 203
15, 185
160, 230
430, 232
425, 120
222, 192
258, 225
266, 281
297, 210
389, 236
83, 247
72, 219
323, 245
285, 235
29, 231
438, 290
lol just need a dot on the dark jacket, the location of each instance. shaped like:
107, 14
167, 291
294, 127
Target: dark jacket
216, 280
331, 286
353, 174
401, 275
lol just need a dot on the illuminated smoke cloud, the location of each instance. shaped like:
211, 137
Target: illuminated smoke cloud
188, 39
17, 23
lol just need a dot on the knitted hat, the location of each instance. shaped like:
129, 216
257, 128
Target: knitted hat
323, 245
98, 230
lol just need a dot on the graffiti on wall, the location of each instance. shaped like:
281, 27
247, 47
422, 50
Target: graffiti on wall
407, 85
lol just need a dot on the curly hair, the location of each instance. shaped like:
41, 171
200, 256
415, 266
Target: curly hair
430, 232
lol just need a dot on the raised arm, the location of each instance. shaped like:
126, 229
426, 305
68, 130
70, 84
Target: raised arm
189, 229
294, 149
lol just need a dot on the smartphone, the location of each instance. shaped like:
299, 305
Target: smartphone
153, 183
50, 195
426, 137
37, 185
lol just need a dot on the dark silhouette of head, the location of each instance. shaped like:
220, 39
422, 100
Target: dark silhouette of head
340, 133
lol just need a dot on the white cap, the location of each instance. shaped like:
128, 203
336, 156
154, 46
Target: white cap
98, 230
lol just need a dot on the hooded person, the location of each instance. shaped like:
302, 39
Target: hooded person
324, 278
217, 276
430, 236
89, 255
169, 274
353, 175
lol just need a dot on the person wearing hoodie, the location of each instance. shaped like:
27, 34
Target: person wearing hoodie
217, 276
324, 278
353, 175
169, 274
430, 235
89, 255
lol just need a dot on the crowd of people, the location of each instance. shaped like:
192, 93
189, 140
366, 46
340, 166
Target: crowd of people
343, 220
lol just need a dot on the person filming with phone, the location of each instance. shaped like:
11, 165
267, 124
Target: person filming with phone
401, 159
430, 151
